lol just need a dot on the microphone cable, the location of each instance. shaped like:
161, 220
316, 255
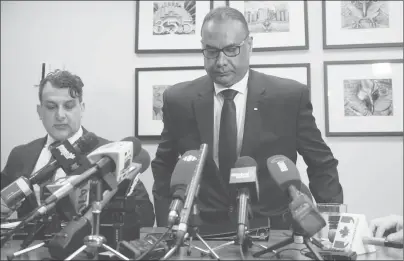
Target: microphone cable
241, 252
155, 243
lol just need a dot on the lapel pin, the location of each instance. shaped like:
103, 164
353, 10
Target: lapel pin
255, 109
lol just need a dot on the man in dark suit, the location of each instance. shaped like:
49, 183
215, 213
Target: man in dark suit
239, 112
60, 110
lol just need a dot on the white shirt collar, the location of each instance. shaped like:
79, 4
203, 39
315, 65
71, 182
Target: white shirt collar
240, 86
71, 140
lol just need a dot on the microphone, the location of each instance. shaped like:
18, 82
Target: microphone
287, 177
18, 190
69, 160
84, 145
192, 192
71, 236
181, 177
111, 162
376, 241
244, 177
137, 145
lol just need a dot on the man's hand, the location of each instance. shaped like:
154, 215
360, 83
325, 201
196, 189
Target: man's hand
379, 226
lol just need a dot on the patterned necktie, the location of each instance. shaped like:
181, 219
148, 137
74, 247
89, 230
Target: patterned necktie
228, 135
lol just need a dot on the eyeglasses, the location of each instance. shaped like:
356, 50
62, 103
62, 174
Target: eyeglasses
229, 51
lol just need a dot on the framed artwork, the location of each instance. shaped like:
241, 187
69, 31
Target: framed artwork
361, 24
275, 25
150, 83
363, 98
169, 26
297, 71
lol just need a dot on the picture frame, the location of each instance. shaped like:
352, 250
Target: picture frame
150, 84
275, 25
350, 28
295, 71
169, 26
363, 98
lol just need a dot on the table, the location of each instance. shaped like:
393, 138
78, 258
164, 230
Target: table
232, 252
227, 253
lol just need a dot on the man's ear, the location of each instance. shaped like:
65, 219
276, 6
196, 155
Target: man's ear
39, 111
251, 44
83, 106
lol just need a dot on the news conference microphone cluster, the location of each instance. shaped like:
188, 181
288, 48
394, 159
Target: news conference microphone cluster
103, 170
184, 213
183, 218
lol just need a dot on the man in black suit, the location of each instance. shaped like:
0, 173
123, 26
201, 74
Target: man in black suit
239, 112
60, 110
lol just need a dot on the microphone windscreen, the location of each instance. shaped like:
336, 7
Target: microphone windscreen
137, 145
69, 239
284, 172
183, 173
244, 175
245, 161
143, 158
86, 143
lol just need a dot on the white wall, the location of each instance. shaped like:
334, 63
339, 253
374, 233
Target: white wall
96, 41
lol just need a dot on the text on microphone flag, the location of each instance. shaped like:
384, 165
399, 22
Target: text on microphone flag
64, 152
240, 175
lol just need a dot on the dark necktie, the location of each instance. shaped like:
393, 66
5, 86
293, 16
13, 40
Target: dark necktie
228, 135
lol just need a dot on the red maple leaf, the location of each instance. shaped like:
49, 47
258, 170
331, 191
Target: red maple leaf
344, 232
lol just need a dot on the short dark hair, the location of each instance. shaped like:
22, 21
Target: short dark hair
63, 79
223, 13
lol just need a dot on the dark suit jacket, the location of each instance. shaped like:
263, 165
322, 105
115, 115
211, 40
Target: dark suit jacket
278, 120
22, 160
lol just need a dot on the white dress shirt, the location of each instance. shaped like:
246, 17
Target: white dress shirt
240, 101
45, 157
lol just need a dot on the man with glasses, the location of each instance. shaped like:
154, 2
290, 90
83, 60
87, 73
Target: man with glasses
239, 112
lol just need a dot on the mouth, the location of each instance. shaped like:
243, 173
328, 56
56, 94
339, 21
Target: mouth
60, 126
222, 73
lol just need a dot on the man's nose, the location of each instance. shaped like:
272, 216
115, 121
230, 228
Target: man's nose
221, 60
60, 114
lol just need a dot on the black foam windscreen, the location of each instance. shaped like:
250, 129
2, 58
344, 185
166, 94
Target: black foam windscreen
284, 172
183, 173
245, 161
86, 143
69, 238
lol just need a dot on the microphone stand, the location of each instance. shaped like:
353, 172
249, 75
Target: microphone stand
192, 232
95, 240
308, 241
242, 232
